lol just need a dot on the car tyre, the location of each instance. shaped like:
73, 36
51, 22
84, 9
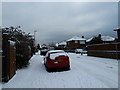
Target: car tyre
48, 70
68, 68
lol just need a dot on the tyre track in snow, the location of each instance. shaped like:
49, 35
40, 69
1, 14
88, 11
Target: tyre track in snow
81, 71
109, 61
98, 70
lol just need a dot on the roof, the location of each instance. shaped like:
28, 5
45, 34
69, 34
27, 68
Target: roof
116, 29
104, 38
43, 45
76, 38
89, 39
56, 44
62, 43
107, 38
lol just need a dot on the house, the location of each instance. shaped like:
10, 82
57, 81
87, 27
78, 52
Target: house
107, 49
104, 39
44, 46
62, 45
76, 43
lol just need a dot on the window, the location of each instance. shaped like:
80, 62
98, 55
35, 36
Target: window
82, 42
76, 41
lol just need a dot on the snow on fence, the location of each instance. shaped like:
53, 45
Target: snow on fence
104, 50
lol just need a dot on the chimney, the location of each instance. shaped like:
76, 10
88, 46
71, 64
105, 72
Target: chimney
82, 36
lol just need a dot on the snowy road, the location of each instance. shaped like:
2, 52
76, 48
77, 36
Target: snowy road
86, 72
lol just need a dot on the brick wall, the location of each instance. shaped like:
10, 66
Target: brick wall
75, 45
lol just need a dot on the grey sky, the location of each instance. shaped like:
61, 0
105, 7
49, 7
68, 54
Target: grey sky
56, 22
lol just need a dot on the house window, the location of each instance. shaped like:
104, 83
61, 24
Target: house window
67, 43
82, 42
76, 41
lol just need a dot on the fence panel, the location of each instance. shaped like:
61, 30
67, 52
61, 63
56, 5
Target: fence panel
104, 50
12, 61
8, 59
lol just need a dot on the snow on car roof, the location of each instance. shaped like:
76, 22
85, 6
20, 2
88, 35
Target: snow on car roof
54, 55
52, 51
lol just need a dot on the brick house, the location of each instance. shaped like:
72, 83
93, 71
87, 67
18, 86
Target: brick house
106, 50
62, 45
76, 43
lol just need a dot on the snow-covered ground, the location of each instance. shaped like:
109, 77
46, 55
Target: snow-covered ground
86, 72
0, 86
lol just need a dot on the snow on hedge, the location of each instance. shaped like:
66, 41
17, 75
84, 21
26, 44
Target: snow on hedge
11, 42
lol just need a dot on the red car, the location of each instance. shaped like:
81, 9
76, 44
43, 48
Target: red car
56, 60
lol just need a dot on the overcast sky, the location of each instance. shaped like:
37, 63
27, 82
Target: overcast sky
56, 22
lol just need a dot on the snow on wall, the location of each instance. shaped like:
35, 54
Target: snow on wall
11, 42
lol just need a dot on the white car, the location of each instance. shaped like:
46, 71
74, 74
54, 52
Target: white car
80, 51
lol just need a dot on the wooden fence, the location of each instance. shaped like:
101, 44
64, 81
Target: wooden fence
8, 59
0, 55
104, 50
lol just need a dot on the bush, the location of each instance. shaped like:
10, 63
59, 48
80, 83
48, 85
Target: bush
23, 54
25, 47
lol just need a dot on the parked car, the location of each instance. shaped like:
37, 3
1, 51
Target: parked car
80, 51
56, 60
43, 51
